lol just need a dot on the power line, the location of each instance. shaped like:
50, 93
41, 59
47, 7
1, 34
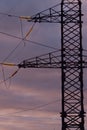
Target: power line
12, 51
22, 39
22, 31
30, 41
9, 15
25, 17
12, 75
31, 109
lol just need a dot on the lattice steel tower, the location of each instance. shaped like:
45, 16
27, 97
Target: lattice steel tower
72, 69
71, 60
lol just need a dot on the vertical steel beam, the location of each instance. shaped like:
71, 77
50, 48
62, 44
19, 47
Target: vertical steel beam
72, 70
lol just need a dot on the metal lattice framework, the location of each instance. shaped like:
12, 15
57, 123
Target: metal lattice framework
70, 60
50, 60
72, 78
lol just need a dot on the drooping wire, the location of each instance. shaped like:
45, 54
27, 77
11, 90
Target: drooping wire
12, 53
26, 17
30, 41
2, 67
4, 78
3, 74
21, 26
11, 76
23, 38
9, 15
31, 109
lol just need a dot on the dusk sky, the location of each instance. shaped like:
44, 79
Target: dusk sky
31, 100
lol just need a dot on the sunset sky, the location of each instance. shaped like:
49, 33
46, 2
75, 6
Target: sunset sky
31, 100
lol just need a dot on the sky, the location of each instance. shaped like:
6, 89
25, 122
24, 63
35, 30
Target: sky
31, 100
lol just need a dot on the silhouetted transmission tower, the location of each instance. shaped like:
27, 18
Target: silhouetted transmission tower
71, 61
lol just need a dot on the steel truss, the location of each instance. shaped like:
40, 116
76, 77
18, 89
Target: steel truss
70, 60
72, 78
50, 60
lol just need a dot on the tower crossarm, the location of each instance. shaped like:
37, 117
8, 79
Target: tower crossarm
50, 60
51, 15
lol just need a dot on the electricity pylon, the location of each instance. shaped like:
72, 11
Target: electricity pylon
70, 61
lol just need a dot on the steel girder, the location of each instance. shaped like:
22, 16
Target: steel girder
72, 77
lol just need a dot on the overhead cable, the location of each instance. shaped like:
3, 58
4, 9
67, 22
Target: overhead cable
25, 17
9, 15
31, 109
11, 76
30, 41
